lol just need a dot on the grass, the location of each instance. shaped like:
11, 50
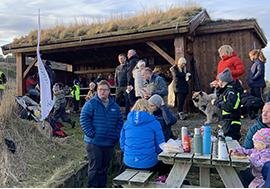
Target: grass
147, 17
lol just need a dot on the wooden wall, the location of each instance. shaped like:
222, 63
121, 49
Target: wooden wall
207, 57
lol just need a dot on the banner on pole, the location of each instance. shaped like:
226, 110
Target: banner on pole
45, 84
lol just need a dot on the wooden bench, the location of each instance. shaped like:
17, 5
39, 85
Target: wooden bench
133, 178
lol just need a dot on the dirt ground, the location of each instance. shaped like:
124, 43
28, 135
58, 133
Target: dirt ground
197, 120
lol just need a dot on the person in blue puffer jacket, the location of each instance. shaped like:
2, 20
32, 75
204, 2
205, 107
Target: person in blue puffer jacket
140, 138
101, 121
255, 78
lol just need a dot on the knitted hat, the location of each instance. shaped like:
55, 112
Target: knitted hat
56, 87
76, 82
156, 99
225, 75
262, 136
141, 62
182, 60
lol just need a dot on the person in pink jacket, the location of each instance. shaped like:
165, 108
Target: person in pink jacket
257, 155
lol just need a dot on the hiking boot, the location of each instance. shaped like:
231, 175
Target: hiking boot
72, 124
182, 116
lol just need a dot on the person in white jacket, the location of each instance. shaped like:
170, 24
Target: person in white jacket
139, 82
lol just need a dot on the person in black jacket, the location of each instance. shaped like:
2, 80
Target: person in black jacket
50, 72
121, 83
180, 86
164, 115
229, 102
133, 60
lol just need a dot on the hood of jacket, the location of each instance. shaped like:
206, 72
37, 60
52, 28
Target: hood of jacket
134, 56
140, 118
226, 57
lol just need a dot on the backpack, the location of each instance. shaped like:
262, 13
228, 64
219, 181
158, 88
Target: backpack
56, 128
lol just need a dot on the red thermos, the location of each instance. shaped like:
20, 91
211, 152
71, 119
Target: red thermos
186, 145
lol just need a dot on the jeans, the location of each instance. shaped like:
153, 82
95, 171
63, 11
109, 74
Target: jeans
33, 92
121, 93
99, 158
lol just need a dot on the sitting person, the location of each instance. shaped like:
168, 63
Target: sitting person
111, 79
30, 84
99, 78
60, 106
250, 104
91, 92
140, 138
163, 114
257, 155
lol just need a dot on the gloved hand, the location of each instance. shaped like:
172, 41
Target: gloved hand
188, 74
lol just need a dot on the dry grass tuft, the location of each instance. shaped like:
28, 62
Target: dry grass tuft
147, 17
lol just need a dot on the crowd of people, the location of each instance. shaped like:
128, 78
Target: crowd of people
148, 119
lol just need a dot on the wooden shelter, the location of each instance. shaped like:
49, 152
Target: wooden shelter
197, 39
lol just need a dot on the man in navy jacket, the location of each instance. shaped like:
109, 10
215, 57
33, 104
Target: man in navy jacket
101, 121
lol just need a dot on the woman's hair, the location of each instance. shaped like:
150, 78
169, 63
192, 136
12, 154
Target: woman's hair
139, 62
227, 49
257, 53
142, 105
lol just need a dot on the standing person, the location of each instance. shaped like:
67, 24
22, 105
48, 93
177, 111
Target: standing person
158, 70
121, 83
155, 84
255, 78
101, 121
229, 102
75, 93
3, 80
60, 106
180, 78
229, 60
133, 60
139, 82
140, 138
91, 93
50, 72
163, 114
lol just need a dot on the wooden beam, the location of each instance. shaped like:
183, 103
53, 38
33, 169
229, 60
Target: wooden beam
180, 47
107, 70
161, 52
20, 65
30, 66
195, 22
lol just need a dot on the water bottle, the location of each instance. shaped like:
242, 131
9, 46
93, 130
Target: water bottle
183, 134
207, 140
197, 142
220, 131
222, 150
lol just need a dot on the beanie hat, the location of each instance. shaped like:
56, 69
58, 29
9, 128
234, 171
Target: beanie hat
76, 82
262, 136
156, 99
182, 60
47, 63
225, 75
141, 62
56, 87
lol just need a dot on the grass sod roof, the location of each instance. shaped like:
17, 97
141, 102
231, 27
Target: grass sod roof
155, 20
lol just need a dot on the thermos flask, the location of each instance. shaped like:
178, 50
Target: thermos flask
183, 134
207, 140
197, 142
222, 150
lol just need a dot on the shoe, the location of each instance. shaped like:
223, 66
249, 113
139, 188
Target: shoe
182, 116
73, 124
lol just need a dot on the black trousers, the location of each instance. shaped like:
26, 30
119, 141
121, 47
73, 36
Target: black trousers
181, 100
132, 98
99, 158
61, 113
257, 91
75, 104
231, 129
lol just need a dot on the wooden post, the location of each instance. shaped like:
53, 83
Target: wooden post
180, 47
20, 65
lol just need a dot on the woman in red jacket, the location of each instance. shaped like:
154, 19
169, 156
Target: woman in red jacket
229, 60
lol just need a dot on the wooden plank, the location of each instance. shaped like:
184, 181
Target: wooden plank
241, 163
205, 177
177, 175
168, 157
124, 177
140, 179
30, 66
202, 159
95, 71
229, 177
184, 157
179, 47
161, 52
195, 22
20, 65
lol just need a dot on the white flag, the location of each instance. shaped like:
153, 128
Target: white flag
45, 84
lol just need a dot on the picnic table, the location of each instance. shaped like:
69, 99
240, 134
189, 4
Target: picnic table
182, 162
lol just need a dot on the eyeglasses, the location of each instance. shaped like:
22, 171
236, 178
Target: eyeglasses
104, 90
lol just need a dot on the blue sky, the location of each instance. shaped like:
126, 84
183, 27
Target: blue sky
18, 17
